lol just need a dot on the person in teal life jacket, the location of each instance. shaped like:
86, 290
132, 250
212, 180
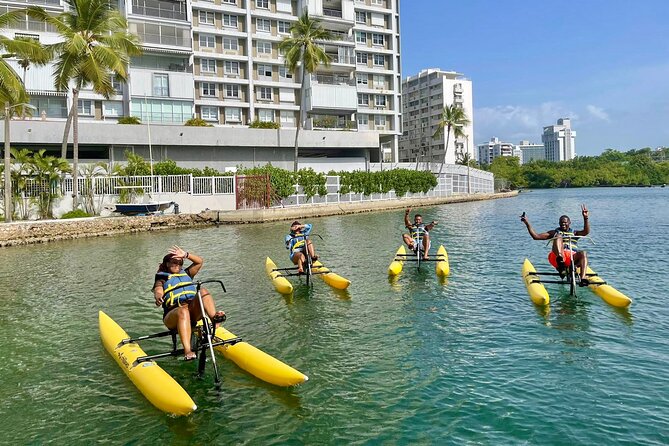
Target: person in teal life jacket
417, 229
565, 250
181, 310
296, 242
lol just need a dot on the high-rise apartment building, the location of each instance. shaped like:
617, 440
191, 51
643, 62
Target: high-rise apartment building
219, 60
531, 152
492, 149
424, 97
559, 141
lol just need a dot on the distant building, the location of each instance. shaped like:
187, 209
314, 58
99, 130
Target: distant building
424, 97
531, 152
492, 149
559, 141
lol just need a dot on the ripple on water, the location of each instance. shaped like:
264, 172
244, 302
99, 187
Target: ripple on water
403, 361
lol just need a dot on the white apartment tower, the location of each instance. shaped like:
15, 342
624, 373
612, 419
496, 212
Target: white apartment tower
219, 60
494, 148
424, 97
559, 141
531, 152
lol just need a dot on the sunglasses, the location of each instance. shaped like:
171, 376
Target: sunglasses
176, 262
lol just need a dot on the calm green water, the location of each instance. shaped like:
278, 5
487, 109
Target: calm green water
471, 361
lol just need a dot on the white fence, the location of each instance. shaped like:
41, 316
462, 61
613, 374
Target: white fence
194, 194
444, 189
156, 184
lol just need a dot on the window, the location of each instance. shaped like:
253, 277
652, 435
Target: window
363, 120
112, 109
361, 58
287, 118
266, 115
233, 114
207, 41
379, 81
360, 37
230, 2
232, 91
229, 21
206, 18
379, 60
264, 47
284, 73
378, 2
264, 70
208, 65
380, 101
85, 107
265, 93
264, 4
380, 121
231, 67
362, 78
263, 25
209, 113
161, 84
283, 27
363, 99
230, 44
360, 17
377, 39
208, 89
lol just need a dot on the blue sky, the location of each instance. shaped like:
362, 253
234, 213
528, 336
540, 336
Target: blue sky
603, 63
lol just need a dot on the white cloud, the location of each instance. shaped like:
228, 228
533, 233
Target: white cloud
597, 112
512, 123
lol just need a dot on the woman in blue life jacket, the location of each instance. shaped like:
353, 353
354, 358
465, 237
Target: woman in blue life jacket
181, 310
565, 249
416, 229
295, 244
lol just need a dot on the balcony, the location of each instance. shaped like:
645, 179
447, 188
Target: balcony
333, 13
332, 79
163, 9
331, 122
331, 99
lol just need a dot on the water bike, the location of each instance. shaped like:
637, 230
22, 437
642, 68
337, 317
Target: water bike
160, 388
417, 255
537, 291
311, 268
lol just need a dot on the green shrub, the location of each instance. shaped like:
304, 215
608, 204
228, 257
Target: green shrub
129, 120
197, 122
264, 125
77, 213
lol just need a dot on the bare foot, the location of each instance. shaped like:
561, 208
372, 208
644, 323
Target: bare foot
189, 356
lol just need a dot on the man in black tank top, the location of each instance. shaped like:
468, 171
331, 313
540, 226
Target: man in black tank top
564, 248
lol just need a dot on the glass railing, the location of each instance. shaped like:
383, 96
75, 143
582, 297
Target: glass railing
165, 40
332, 12
332, 80
162, 9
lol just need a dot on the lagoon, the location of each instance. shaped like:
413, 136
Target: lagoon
406, 362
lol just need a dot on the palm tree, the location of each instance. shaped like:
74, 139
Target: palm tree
302, 51
95, 47
454, 118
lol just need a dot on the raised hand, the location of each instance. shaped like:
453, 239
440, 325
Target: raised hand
177, 251
584, 211
524, 219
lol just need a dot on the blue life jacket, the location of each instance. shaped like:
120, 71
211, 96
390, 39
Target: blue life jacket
296, 241
182, 295
568, 243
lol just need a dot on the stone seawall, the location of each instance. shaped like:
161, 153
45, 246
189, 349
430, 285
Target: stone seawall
32, 232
